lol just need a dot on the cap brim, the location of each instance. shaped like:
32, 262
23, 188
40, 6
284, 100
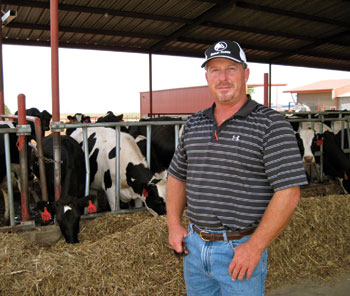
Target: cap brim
222, 56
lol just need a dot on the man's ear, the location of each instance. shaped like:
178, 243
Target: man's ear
246, 74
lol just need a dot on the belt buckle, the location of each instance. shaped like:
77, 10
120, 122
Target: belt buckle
204, 232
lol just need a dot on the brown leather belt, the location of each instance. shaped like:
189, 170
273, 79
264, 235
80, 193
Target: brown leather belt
233, 235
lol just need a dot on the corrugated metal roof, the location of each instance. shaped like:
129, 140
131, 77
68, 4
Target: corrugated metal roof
321, 86
301, 32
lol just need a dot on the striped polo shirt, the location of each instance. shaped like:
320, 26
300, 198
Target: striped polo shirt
232, 171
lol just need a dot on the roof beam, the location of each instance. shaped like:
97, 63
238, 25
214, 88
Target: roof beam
86, 9
279, 51
219, 7
282, 53
304, 49
274, 33
293, 14
93, 10
63, 29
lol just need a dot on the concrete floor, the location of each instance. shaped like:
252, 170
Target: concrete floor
338, 286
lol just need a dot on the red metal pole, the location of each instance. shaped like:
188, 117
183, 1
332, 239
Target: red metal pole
22, 147
55, 94
150, 86
266, 89
2, 103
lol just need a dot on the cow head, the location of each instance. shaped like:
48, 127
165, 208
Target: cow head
305, 138
68, 210
149, 189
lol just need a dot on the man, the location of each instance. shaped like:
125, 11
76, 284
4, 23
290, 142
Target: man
238, 169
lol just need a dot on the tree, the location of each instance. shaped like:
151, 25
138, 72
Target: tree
251, 90
7, 110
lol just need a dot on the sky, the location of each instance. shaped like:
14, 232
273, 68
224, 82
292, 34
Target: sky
98, 81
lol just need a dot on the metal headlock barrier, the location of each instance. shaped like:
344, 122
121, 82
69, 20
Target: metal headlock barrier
61, 127
337, 120
19, 130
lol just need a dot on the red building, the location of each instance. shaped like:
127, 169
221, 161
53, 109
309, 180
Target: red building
179, 101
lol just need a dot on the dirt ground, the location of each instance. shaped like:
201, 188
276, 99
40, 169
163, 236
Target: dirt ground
338, 285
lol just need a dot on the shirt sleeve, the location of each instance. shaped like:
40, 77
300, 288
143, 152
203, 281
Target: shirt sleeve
178, 165
281, 156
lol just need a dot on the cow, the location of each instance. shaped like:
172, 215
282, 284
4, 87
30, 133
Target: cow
71, 203
162, 142
137, 182
77, 118
45, 118
72, 166
110, 117
305, 136
336, 163
14, 159
67, 211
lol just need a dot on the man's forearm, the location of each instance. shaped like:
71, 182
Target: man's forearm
276, 217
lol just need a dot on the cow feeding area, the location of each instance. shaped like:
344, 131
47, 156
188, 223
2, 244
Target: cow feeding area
128, 254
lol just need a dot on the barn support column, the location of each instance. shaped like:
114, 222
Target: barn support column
266, 90
2, 103
23, 158
150, 85
270, 85
55, 95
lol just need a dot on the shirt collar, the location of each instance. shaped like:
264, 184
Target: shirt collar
245, 110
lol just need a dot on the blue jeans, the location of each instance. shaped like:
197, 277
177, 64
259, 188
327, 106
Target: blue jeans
206, 268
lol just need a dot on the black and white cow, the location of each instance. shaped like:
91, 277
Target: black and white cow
110, 117
71, 203
77, 118
14, 159
335, 162
305, 137
162, 142
72, 167
45, 118
137, 182
67, 211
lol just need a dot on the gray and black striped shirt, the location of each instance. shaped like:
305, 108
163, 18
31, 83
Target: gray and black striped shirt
232, 171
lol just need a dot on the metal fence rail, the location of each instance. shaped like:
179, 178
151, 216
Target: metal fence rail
60, 127
6, 132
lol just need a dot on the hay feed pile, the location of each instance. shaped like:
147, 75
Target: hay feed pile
315, 244
129, 255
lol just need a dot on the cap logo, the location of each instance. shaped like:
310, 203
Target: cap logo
220, 46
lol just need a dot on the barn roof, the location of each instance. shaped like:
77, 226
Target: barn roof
299, 33
322, 86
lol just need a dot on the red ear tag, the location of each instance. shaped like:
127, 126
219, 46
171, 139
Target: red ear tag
45, 216
319, 142
144, 192
91, 208
346, 176
86, 121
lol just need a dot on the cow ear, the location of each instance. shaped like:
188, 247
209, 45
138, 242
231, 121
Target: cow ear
83, 202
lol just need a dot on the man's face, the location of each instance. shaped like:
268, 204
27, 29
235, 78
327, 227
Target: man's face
226, 80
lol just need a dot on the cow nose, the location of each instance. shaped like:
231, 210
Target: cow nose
308, 159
